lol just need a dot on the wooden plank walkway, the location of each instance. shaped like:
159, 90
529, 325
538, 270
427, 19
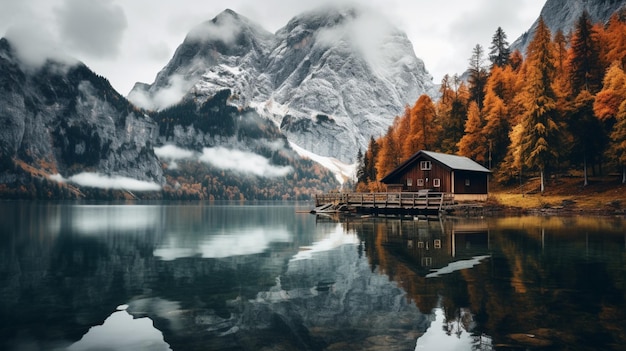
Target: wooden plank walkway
388, 203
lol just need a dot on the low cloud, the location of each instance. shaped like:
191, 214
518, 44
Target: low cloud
94, 28
172, 153
243, 162
177, 87
96, 180
34, 45
368, 34
228, 159
225, 29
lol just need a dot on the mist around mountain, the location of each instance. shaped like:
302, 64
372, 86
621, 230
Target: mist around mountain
330, 78
237, 113
68, 134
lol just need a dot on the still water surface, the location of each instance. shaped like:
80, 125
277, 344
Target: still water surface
264, 277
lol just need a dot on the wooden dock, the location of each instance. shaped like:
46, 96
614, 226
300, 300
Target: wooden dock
397, 203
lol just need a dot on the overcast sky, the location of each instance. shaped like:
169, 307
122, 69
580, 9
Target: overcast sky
131, 40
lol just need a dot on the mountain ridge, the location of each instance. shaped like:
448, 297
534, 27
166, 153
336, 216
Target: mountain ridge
330, 78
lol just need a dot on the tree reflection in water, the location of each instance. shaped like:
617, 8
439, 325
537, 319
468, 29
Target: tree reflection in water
263, 277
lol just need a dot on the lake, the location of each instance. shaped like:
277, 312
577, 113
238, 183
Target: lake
199, 276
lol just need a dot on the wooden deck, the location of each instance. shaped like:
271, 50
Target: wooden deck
400, 203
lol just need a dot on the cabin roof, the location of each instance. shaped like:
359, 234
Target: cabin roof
453, 162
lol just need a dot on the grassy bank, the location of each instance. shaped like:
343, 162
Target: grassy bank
602, 194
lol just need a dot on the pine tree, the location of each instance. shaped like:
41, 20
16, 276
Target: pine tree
499, 50
586, 67
370, 159
540, 140
618, 138
478, 75
588, 135
360, 167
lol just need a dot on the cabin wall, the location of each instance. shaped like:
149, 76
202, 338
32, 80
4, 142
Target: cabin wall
415, 178
466, 182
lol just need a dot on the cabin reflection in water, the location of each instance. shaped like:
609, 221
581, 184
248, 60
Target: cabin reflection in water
431, 245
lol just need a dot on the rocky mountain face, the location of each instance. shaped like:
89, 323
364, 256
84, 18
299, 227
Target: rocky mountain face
65, 119
330, 78
562, 15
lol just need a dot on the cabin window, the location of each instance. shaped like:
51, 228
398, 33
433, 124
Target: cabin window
420, 244
420, 182
427, 261
437, 244
425, 165
467, 182
436, 182
409, 182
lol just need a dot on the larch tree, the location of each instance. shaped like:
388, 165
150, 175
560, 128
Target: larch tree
477, 77
512, 165
615, 38
473, 143
515, 60
388, 156
613, 92
562, 77
452, 115
540, 141
403, 131
499, 50
424, 131
496, 128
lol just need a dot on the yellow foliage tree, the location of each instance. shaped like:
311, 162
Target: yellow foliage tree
474, 144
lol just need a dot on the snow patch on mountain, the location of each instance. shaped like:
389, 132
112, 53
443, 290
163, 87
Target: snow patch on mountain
343, 172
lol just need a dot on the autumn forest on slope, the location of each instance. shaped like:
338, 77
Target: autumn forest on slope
559, 110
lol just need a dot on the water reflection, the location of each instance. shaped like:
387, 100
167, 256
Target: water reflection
120, 331
254, 277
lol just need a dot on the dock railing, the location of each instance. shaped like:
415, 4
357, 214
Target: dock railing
405, 200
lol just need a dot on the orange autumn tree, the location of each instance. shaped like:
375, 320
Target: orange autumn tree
612, 94
452, 113
389, 155
499, 93
423, 129
473, 143
614, 36
540, 143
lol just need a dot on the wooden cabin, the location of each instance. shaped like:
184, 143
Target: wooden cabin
427, 170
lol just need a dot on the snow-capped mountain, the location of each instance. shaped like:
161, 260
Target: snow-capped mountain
330, 78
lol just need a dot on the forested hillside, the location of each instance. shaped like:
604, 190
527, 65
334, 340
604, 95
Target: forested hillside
557, 109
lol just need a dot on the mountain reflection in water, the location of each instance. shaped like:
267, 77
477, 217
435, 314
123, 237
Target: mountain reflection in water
230, 277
